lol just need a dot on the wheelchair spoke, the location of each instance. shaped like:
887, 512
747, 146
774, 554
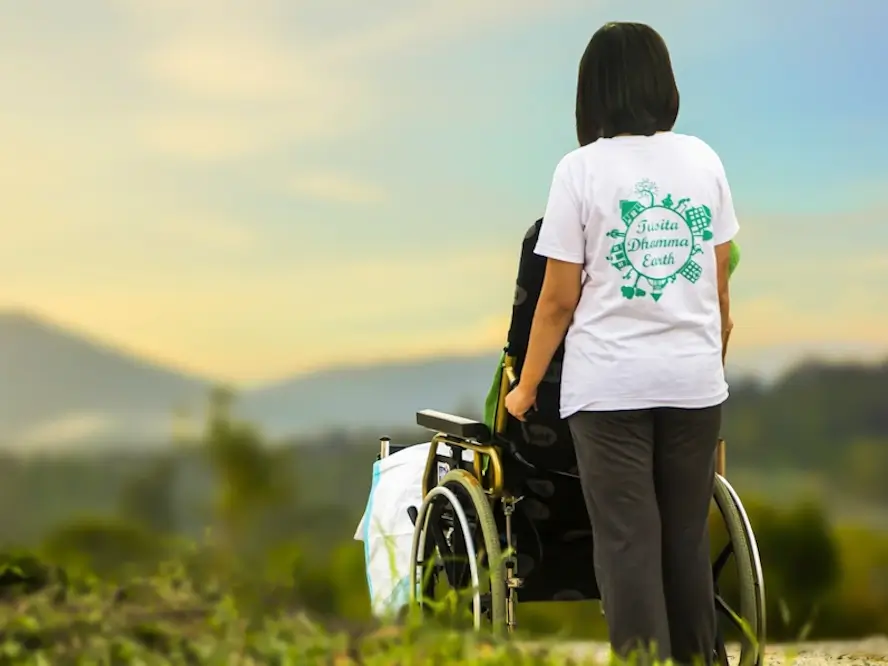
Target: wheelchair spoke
451, 544
459, 547
450, 555
722, 559
729, 613
440, 541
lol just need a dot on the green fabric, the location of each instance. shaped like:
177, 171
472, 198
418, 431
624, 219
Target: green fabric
735, 258
492, 400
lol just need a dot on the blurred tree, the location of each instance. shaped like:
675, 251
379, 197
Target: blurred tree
106, 546
249, 480
806, 419
859, 605
149, 497
827, 421
866, 468
802, 567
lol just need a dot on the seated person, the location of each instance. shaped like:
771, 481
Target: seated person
544, 439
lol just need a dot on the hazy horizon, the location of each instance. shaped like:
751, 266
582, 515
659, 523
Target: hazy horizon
766, 364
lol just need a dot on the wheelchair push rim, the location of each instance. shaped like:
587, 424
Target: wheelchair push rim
460, 554
747, 619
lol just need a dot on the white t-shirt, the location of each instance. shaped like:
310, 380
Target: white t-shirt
643, 215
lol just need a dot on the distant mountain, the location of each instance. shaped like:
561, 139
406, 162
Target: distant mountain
62, 389
58, 387
377, 396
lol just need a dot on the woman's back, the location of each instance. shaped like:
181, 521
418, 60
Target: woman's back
647, 329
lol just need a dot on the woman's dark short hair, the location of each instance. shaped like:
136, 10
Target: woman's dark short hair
625, 84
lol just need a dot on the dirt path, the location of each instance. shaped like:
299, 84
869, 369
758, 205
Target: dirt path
870, 651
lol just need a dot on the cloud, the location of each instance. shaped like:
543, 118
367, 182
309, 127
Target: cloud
58, 220
222, 135
69, 430
235, 83
771, 320
337, 188
450, 337
198, 230
139, 148
89, 119
266, 323
216, 68
425, 24
230, 99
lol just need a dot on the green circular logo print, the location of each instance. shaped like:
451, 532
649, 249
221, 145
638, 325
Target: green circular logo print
658, 241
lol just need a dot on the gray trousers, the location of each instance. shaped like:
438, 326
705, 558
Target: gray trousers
647, 478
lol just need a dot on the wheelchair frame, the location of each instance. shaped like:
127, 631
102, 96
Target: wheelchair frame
485, 483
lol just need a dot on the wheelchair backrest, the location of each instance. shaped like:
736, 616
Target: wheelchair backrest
544, 439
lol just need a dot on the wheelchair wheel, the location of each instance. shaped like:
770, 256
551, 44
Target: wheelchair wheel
456, 545
744, 619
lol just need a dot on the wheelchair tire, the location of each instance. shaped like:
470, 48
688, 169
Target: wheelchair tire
749, 573
453, 487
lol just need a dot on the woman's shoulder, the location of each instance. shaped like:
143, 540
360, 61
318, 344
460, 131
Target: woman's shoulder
693, 141
584, 159
697, 144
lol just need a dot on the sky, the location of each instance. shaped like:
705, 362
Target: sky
256, 188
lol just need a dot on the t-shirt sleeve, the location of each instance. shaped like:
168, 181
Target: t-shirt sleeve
724, 225
561, 235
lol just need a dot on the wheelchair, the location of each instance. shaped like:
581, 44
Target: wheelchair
503, 521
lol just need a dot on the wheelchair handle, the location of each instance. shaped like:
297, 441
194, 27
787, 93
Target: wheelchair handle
512, 379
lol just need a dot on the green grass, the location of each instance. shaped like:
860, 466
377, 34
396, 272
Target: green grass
163, 627
52, 618
49, 617
206, 607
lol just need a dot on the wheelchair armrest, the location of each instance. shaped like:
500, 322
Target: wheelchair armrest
450, 424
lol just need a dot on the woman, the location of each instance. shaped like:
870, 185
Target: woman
646, 214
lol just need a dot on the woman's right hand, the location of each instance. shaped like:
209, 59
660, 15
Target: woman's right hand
519, 401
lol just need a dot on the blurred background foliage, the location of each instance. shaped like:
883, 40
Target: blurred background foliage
269, 524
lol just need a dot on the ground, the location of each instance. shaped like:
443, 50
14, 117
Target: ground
851, 653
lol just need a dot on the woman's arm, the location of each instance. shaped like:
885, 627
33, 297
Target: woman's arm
554, 312
562, 241
723, 272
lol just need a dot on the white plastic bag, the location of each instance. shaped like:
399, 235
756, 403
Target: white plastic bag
386, 528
